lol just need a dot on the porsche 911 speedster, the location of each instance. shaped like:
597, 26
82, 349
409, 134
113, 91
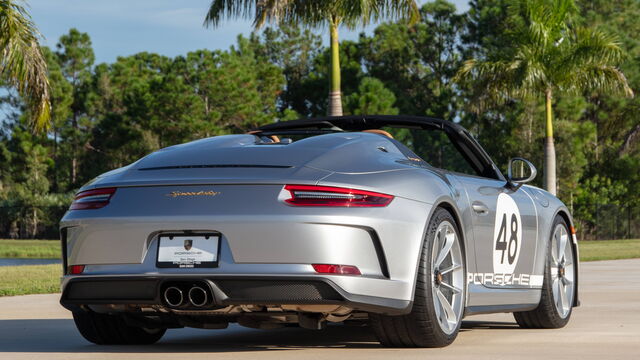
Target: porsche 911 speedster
401, 223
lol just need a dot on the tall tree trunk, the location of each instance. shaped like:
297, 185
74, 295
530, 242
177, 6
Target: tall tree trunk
549, 149
34, 228
75, 126
55, 157
335, 97
74, 150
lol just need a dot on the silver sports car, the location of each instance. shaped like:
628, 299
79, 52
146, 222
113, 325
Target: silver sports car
401, 223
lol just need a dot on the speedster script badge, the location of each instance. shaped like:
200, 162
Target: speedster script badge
175, 194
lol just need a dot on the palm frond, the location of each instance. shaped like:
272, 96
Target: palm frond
311, 13
522, 75
588, 62
261, 12
601, 78
292, 12
22, 64
544, 20
364, 12
590, 46
234, 9
531, 73
491, 82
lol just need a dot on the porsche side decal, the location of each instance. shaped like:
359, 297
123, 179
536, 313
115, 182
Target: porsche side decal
504, 279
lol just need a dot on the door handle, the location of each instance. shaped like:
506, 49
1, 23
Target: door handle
480, 208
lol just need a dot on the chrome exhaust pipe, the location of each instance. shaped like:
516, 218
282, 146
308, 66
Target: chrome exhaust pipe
173, 296
198, 296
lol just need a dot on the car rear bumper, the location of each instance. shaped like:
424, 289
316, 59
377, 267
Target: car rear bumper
275, 240
226, 290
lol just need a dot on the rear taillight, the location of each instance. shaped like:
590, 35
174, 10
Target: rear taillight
92, 199
312, 195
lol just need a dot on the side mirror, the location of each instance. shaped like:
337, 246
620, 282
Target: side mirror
520, 171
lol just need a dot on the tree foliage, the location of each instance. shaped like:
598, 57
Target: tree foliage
315, 14
548, 55
108, 115
22, 64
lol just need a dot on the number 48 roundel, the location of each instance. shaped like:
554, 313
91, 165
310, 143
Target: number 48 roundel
507, 235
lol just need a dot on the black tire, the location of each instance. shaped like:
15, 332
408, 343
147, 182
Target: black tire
105, 329
546, 315
420, 328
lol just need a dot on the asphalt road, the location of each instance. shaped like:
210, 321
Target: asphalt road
606, 326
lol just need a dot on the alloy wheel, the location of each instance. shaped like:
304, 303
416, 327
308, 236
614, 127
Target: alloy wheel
562, 271
447, 277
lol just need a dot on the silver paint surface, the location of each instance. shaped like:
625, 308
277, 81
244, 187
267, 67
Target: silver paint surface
263, 236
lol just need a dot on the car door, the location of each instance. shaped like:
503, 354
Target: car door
505, 233
503, 220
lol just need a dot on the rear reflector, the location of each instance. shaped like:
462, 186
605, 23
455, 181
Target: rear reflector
336, 269
312, 195
76, 269
92, 199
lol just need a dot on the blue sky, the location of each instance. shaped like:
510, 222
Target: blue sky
125, 27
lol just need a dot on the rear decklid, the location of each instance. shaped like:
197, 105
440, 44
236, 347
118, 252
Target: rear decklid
243, 159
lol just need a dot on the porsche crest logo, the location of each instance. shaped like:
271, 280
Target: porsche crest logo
175, 194
188, 244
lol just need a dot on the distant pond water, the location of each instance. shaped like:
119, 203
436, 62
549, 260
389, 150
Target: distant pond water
17, 262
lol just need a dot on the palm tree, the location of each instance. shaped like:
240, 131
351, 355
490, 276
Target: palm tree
316, 14
549, 56
21, 62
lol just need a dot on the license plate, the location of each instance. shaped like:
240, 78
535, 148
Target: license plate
188, 251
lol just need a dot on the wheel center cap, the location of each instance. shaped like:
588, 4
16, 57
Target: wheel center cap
561, 271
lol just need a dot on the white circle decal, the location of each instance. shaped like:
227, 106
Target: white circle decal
507, 235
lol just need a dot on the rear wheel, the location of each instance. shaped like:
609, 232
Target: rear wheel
105, 329
438, 306
558, 288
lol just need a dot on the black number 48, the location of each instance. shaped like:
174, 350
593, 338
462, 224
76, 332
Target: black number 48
511, 248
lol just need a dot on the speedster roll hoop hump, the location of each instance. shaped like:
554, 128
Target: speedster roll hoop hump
460, 137
401, 223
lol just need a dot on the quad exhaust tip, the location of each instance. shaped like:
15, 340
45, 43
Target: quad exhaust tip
173, 296
198, 296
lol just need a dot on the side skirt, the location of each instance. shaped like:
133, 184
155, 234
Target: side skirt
485, 300
492, 309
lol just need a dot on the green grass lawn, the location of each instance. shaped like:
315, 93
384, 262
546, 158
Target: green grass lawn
30, 249
29, 279
609, 249
42, 279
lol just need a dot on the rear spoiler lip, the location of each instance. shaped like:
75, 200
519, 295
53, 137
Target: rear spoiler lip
216, 166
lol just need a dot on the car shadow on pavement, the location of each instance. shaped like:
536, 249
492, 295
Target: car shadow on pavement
61, 336
493, 325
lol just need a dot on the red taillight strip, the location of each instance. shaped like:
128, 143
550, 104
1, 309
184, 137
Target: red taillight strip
313, 195
92, 199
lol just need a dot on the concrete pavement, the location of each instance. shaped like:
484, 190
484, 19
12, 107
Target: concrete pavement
606, 326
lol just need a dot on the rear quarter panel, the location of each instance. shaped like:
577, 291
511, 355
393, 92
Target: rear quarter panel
426, 186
